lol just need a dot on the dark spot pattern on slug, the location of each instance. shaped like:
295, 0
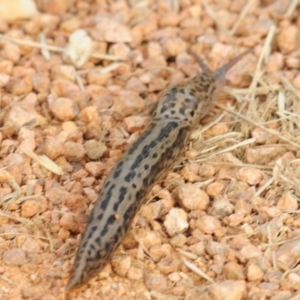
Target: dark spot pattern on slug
130, 176
107, 197
122, 193
92, 230
141, 139
118, 169
109, 222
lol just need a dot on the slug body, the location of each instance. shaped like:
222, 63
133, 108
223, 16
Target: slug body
145, 162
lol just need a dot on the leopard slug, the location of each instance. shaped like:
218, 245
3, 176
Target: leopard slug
145, 162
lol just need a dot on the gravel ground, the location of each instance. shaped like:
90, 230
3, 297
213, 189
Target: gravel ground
77, 80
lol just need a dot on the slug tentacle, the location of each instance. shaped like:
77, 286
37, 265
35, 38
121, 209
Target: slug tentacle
145, 162
221, 72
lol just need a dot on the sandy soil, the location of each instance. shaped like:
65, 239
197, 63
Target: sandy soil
77, 81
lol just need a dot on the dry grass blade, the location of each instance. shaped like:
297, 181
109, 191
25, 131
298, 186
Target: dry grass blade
292, 7
44, 46
44, 161
241, 17
261, 90
16, 219
268, 130
228, 149
6, 177
160, 296
264, 53
198, 271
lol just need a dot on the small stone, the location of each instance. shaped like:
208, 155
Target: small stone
11, 52
235, 220
18, 9
20, 86
220, 291
157, 84
95, 168
66, 72
6, 66
275, 62
248, 252
135, 84
296, 81
74, 151
288, 202
171, 18
68, 222
64, 109
71, 24
31, 245
288, 39
160, 251
30, 208
148, 238
128, 103
109, 30
250, 175
178, 240
9, 232
254, 273
52, 147
190, 197
151, 211
99, 78
79, 48
135, 274
80, 174
76, 203
174, 46
14, 256
54, 6
294, 279
61, 88
175, 276
121, 264
272, 212
218, 129
208, 224
41, 82
4, 79
94, 149
121, 50
233, 271
263, 155
293, 62
207, 171
135, 123
190, 172
216, 188
198, 248
89, 113
56, 195
63, 234
156, 282
288, 254
176, 221
221, 208
168, 264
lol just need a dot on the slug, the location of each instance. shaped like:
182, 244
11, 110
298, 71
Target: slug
145, 162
